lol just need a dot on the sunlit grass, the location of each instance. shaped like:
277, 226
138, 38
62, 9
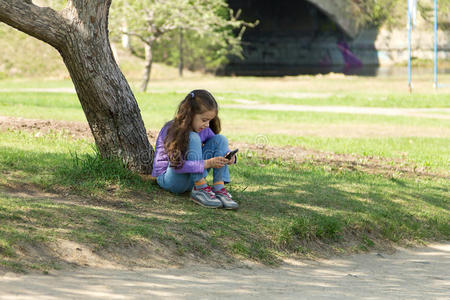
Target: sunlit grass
241, 125
285, 208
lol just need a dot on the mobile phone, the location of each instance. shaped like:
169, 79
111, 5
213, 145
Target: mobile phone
230, 154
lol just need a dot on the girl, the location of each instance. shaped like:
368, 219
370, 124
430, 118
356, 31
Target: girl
188, 147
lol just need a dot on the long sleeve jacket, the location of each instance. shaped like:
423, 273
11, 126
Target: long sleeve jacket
161, 159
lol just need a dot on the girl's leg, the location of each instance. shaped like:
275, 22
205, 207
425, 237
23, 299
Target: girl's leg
195, 152
182, 182
217, 146
175, 182
201, 193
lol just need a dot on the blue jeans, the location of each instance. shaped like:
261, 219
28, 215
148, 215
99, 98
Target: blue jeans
181, 182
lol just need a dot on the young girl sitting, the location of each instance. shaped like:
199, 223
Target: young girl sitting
188, 147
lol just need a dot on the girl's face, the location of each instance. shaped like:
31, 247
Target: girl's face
201, 121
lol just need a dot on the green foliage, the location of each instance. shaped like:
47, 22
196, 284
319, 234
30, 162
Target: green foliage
208, 28
426, 9
200, 53
377, 12
393, 12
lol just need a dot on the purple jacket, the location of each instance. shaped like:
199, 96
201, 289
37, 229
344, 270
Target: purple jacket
161, 160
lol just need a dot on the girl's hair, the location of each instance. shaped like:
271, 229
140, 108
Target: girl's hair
177, 138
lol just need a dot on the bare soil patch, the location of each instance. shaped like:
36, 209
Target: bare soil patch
70, 128
421, 273
73, 129
65, 253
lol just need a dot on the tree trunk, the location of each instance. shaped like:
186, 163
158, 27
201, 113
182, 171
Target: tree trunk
108, 102
80, 34
148, 66
125, 37
181, 64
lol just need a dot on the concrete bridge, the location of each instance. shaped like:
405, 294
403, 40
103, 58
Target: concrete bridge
298, 36
342, 12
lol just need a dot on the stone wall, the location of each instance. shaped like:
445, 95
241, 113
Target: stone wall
392, 45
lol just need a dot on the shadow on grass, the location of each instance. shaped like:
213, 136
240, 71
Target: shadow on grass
310, 202
284, 209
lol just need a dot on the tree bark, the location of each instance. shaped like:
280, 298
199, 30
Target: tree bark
181, 64
148, 66
80, 34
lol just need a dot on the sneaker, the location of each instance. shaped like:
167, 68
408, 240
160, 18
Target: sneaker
226, 200
205, 197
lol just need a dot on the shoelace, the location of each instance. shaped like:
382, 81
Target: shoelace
208, 190
223, 191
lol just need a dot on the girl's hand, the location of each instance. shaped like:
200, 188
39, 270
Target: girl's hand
216, 162
232, 160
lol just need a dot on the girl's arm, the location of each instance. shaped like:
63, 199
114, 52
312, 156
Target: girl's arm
206, 134
191, 166
160, 159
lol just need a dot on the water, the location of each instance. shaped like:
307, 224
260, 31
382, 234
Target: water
369, 71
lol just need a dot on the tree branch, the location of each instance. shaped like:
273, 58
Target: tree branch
135, 53
42, 23
93, 15
148, 41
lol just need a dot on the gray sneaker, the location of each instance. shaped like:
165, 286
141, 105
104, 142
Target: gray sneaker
205, 197
226, 200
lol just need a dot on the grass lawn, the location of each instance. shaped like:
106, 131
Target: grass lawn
54, 187
286, 209
420, 141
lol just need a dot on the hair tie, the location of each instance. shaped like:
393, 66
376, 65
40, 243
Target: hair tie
192, 95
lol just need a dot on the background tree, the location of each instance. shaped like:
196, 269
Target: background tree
159, 21
393, 13
80, 34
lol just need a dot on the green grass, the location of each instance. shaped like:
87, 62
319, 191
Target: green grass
432, 153
323, 118
366, 98
285, 208
55, 159
425, 152
63, 106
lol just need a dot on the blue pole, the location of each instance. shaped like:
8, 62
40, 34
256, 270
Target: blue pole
435, 44
409, 46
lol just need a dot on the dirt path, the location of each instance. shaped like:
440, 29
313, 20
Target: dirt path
435, 113
422, 273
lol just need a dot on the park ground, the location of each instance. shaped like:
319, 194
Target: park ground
419, 273
328, 165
